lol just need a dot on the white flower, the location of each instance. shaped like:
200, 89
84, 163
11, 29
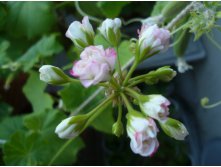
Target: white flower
95, 66
82, 34
155, 106
110, 29
182, 65
53, 75
152, 39
142, 132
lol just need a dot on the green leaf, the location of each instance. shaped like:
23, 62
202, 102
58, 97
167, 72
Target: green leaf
45, 47
125, 53
39, 143
9, 126
111, 9
104, 121
30, 19
34, 91
158, 7
174, 129
5, 110
4, 45
3, 15
74, 94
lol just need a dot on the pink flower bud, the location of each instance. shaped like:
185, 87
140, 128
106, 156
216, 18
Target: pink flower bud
95, 66
155, 106
142, 132
152, 39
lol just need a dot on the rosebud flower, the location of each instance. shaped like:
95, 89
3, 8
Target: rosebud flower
110, 29
82, 34
53, 75
152, 40
142, 132
155, 106
95, 66
71, 127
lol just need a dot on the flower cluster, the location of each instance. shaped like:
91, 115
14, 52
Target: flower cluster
97, 67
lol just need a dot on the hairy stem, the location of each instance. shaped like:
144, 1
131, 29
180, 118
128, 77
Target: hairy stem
182, 14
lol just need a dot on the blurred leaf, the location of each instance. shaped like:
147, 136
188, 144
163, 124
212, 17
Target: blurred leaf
158, 7
5, 110
124, 52
3, 14
39, 143
30, 19
34, 91
74, 94
111, 9
4, 45
104, 121
45, 47
10, 125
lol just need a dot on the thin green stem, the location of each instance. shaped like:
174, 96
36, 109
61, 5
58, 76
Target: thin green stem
73, 80
119, 113
133, 93
119, 65
135, 82
94, 113
177, 41
212, 105
178, 29
133, 67
133, 20
213, 41
81, 12
127, 103
58, 153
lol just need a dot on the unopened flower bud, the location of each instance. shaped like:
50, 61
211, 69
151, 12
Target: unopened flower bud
152, 40
53, 75
82, 34
175, 129
117, 128
110, 29
71, 127
155, 106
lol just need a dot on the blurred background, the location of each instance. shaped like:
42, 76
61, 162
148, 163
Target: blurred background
33, 34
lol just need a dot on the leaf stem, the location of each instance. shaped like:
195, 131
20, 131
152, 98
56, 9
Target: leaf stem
82, 13
134, 66
119, 65
58, 153
127, 103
